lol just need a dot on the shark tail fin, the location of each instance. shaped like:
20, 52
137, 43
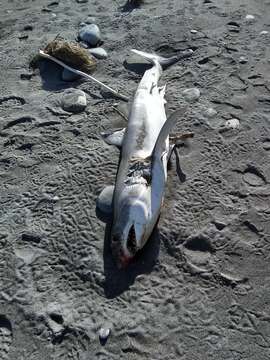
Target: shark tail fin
162, 61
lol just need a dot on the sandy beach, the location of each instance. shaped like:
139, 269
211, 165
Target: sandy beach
200, 289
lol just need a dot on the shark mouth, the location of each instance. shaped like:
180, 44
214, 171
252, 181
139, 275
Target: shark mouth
131, 241
122, 258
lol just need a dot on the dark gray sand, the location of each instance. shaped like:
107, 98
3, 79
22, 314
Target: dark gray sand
201, 288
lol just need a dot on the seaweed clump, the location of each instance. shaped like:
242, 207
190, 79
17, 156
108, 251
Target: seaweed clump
71, 54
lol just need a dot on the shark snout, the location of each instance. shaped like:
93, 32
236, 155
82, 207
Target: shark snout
130, 227
124, 248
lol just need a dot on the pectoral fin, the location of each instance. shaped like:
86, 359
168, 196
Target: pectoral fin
104, 203
114, 137
162, 93
165, 131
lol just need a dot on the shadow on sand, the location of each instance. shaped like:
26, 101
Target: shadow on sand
129, 6
117, 280
138, 67
51, 75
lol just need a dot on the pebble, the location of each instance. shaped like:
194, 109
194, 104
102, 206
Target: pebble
243, 60
104, 333
250, 18
99, 53
193, 31
90, 20
104, 201
69, 75
82, 1
192, 94
232, 124
210, 113
90, 34
73, 100
264, 32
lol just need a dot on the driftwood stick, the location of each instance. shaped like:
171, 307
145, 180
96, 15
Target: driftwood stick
81, 73
120, 113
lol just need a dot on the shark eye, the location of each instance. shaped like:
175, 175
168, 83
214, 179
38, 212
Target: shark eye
131, 240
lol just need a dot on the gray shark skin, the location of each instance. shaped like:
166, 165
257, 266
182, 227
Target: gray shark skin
139, 189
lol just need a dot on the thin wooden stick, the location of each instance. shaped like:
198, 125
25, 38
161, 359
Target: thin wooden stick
120, 113
81, 73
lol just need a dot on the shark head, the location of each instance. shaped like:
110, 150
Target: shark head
132, 223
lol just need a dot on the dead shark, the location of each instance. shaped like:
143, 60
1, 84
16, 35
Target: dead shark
139, 188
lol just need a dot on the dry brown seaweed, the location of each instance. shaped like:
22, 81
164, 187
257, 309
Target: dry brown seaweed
72, 54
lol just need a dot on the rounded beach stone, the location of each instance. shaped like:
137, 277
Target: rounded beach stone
99, 53
104, 333
243, 60
210, 113
90, 34
192, 94
250, 18
232, 124
104, 201
74, 100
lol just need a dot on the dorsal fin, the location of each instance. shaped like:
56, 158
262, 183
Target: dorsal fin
165, 131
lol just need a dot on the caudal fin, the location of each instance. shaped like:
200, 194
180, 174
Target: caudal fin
164, 62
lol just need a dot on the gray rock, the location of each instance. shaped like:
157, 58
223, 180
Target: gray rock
99, 53
250, 18
69, 75
243, 60
104, 201
90, 20
74, 100
192, 94
210, 113
90, 34
232, 124
104, 333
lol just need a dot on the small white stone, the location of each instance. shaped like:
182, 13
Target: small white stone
210, 113
104, 333
232, 124
192, 94
250, 18
193, 31
264, 32
243, 60
99, 53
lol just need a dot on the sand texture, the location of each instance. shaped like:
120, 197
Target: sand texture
201, 288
